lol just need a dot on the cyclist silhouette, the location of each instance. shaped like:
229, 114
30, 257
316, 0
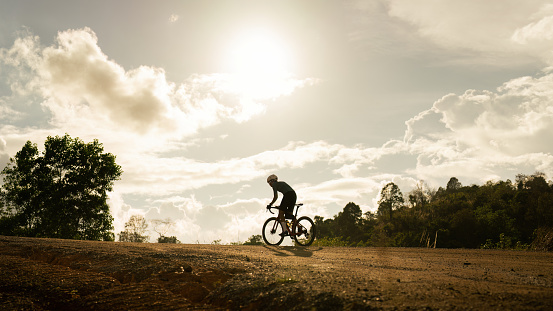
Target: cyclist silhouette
287, 204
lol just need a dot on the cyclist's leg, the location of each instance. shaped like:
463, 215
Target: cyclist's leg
281, 215
282, 221
287, 204
286, 209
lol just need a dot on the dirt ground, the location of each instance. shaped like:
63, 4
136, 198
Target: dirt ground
51, 274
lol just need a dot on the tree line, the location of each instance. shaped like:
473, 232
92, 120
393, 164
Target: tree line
501, 214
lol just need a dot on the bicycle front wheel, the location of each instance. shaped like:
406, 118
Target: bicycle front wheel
271, 232
305, 231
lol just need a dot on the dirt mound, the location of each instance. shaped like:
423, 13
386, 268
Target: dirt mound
50, 274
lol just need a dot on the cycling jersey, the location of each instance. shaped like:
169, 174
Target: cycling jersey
281, 187
289, 198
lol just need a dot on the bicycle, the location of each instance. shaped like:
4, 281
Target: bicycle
303, 230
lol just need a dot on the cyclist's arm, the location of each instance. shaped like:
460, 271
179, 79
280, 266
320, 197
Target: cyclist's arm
275, 197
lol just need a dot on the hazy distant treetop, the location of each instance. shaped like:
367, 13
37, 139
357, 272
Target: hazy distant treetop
391, 199
135, 230
453, 184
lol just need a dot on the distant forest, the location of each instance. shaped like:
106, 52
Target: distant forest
499, 215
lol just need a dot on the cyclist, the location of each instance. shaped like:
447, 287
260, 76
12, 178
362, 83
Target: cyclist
288, 201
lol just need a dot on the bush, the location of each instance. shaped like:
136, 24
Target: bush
505, 242
254, 240
168, 239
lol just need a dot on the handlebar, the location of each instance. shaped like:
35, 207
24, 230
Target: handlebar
269, 207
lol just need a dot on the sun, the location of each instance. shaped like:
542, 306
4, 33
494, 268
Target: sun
260, 65
259, 54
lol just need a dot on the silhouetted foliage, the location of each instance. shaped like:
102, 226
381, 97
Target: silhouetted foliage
135, 230
494, 215
162, 226
168, 239
391, 199
453, 184
254, 240
59, 193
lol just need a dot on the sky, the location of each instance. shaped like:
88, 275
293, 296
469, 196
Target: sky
201, 100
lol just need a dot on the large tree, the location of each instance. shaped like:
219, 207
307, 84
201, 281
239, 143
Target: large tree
60, 192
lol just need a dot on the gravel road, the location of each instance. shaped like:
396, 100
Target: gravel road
51, 274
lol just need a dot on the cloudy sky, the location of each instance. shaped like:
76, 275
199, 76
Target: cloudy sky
201, 100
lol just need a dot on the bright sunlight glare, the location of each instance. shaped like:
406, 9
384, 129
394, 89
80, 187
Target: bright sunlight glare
260, 65
260, 54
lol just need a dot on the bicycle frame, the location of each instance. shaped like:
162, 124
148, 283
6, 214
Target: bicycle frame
297, 206
302, 230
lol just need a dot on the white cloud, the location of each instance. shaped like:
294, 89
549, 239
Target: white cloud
83, 88
246, 219
154, 175
456, 24
541, 30
484, 133
4, 156
339, 191
121, 212
537, 34
347, 170
7, 113
490, 32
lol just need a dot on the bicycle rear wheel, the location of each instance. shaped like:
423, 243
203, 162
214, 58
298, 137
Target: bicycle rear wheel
271, 232
305, 231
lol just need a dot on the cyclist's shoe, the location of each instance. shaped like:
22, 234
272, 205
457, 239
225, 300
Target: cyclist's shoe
285, 233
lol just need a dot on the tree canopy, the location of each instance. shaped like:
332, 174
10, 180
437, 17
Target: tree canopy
60, 192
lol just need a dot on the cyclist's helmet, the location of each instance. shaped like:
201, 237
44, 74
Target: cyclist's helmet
273, 177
